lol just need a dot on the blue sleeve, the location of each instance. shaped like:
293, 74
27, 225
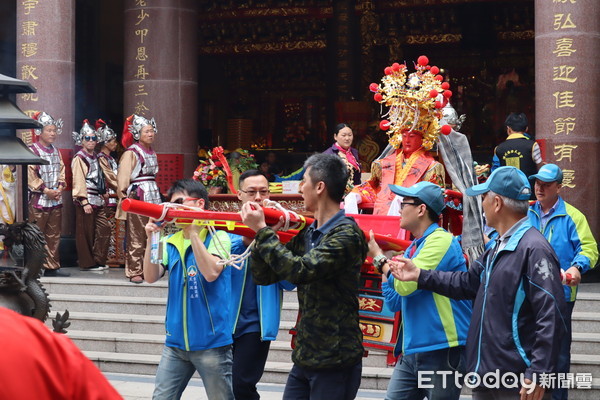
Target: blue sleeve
392, 298
458, 285
495, 161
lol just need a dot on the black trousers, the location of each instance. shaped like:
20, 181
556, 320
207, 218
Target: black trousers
327, 384
249, 358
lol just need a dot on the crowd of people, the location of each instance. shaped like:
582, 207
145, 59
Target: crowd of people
492, 310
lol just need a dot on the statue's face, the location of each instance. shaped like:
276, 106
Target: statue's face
411, 142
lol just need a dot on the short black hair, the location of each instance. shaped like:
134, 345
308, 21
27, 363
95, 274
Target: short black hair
432, 215
517, 122
192, 187
331, 170
248, 173
339, 127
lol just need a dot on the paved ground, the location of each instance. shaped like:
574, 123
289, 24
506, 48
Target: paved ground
138, 387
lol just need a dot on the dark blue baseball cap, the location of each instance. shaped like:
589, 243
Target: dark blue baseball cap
509, 182
429, 193
549, 173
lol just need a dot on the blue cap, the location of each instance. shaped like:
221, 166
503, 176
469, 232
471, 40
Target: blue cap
549, 173
509, 182
429, 193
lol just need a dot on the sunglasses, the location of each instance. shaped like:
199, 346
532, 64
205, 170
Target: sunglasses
88, 138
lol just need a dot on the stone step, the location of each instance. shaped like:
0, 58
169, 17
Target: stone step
136, 305
115, 342
275, 372
112, 322
586, 322
587, 301
585, 343
104, 287
586, 363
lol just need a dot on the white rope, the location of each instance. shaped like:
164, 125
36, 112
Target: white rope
286, 213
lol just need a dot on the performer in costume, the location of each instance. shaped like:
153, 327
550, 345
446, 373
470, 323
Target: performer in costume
46, 183
91, 226
136, 179
107, 139
8, 186
413, 126
343, 137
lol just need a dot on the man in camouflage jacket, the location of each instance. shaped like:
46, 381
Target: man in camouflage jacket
324, 261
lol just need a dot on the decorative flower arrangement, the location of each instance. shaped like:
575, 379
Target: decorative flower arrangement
242, 160
210, 172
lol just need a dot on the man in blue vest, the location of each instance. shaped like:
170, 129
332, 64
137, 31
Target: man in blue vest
434, 327
569, 234
198, 321
256, 309
518, 302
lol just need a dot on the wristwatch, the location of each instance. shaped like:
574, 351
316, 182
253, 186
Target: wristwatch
579, 267
379, 261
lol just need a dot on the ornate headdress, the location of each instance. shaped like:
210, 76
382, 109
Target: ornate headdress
85, 130
105, 133
412, 101
132, 129
45, 120
451, 117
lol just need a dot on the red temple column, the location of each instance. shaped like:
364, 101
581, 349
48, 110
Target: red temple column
567, 47
46, 58
161, 78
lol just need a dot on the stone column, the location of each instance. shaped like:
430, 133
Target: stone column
567, 48
46, 58
161, 77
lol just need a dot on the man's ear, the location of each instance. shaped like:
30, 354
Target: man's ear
320, 187
200, 203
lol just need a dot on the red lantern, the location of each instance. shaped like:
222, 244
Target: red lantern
438, 104
423, 61
373, 87
384, 125
388, 70
447, 93
445, 86
377, 97
434, 70
439, 78
396, 67
433, 94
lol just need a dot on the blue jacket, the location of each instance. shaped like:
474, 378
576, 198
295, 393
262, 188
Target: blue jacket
430, 321
518, 309
198, 311
269, 298
570, 236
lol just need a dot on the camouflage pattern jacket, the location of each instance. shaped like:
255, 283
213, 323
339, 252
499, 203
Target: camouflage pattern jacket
327, 277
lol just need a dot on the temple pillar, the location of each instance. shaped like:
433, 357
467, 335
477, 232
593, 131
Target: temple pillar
46, 58
567, 47
343, 61
161, 79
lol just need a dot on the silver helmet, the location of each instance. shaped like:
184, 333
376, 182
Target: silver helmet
85, 130
45, 120
138, 122
451, 117
106, 134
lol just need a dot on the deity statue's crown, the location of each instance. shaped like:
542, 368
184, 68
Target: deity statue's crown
415, 101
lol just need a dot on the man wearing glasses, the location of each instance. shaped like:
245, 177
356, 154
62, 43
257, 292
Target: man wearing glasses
434, 327
324, 260
198, 321
256, 309
91, 223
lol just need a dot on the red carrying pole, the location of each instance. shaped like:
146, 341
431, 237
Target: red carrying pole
297, 222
